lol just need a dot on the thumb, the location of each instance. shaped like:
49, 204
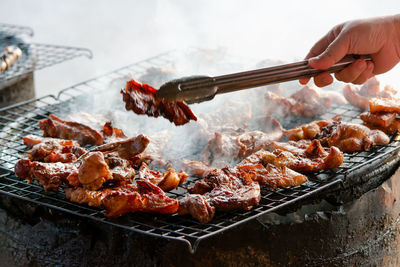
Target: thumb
332, 54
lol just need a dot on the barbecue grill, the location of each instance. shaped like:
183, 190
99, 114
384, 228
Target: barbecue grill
21, 119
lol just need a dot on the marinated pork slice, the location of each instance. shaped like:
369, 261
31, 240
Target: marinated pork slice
360, 97
309, 130
380, 119
56, 127
117, 201
53, 150
350, 137
50, 175
229, 190
167, 181
312, 158
226, 147
391, 105
142, 99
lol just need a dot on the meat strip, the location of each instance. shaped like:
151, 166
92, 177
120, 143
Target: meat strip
117, 201
227, 190
50, 175
53, 150
142, 99
56, 127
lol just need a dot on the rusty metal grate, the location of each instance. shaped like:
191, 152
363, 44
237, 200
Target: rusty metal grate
21, 119
35, 56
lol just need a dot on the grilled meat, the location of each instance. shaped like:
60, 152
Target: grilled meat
228, 190
50, 175
126, 148
196, 167
272, 176
142, 99
142, 196
309, 130
166, 181
56, 127
92, 173
385, 105
52, 149
307, 102
380, 119
360, 97
112, 134
225, 147
350, 137
311, 158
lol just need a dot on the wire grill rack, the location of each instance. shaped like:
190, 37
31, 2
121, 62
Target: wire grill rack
35, 56
19, 120
13, 30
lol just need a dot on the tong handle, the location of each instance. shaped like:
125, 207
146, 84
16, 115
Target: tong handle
196, 89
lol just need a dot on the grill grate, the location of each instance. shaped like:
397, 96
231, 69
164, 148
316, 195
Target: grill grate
21, 119
35, 56
13, 30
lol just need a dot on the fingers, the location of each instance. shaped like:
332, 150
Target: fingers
323, 79
358, 72
304, 81
336, 50
368, 73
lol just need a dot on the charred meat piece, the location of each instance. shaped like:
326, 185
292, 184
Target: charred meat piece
117, 201
229, 190
380, 119
30, 140
56, 127
197, 206
312, 158
196, 167
92, 172
226, 147
50, 175
360, 97
53, 150
166, 181
391, 105
142, 99
272, 176
112, 134
121, 169
126, 149
350, 137
307, 102
309, 130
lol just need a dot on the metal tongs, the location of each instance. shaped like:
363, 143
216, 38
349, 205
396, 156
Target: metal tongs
196, 89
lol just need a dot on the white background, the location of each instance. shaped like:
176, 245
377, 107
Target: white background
123, 32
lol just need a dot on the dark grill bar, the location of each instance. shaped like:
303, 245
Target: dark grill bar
22, 119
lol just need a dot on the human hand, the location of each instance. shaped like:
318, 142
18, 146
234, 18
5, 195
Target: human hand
378, 37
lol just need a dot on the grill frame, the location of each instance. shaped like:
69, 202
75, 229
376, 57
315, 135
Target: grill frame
35, 56
21, 119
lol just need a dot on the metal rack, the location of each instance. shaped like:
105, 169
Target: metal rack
13, 30
35, 56
22, 119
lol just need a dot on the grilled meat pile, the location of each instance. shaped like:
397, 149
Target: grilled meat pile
104, 168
